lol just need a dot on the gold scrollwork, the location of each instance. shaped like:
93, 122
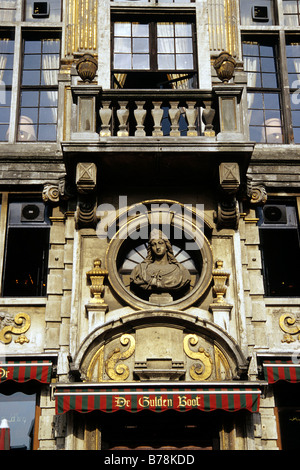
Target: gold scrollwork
120, 371
22, 319
198, 371
286, 322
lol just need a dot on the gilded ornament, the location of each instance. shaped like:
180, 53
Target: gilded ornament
22, 319
120, 371
97, 276
287, 324
87, 67
224, 66
198, 371
220, 277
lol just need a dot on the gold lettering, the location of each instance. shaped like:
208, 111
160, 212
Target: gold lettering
121, 402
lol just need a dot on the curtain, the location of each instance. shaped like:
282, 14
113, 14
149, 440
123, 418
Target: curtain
50, 72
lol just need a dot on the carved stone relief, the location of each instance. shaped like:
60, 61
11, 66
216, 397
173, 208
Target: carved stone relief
130, 357
14, 325
290, 325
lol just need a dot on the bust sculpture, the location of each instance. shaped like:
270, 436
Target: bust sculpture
160, 272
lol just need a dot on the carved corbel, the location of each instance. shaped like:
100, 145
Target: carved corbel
54, 192
228, 213
257, 194
50, 193
86, 181
229, 174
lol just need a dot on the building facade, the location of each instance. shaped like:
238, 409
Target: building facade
149, 227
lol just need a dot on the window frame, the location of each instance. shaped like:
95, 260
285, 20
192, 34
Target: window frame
153, 19
281, 32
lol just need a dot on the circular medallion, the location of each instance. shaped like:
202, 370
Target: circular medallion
160, 264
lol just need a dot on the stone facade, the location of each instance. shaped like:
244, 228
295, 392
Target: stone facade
107, 183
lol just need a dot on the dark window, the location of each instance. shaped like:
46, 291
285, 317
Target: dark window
39, 89
27, 245
279, 238
264, 93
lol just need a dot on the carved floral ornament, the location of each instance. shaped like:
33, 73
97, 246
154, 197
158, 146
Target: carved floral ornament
17, 325
290, 325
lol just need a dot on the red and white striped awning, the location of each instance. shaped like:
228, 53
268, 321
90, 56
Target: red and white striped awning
23, 371
134, 397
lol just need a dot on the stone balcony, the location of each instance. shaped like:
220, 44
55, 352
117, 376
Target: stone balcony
162, 124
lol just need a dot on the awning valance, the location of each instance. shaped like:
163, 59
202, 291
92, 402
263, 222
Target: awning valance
159, 398
22, 371
281, 369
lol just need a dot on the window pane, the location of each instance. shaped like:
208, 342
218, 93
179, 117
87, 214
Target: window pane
166, 61
184, 61
183, 29
48, 98
165, 30
122, 61
32, 47
140, 45
31, 77
165, 45
47, 133
122, 45
140, 61
140, 30
122, 29
32, 61
29, 98
184, 45
30, 114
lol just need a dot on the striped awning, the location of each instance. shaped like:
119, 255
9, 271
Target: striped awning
88, 398
281, 369
23, 371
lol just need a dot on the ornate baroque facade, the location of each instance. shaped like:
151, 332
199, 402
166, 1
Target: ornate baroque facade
149, 224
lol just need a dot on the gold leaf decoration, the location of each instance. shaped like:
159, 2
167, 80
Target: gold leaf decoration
120, 371
198, 371
22, 319
287, 324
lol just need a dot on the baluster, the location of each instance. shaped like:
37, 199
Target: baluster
191, 116
140, 115
208, 115
105, 115
174, 113
123, 114
157, 114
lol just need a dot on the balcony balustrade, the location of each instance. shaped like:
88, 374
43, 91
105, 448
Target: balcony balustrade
99, 114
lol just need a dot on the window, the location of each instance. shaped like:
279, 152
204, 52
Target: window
279, 233
26, 252
164, 49
293, 68
273, 75
19, 409
6, 72
39, 92
291, 12
264, 99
